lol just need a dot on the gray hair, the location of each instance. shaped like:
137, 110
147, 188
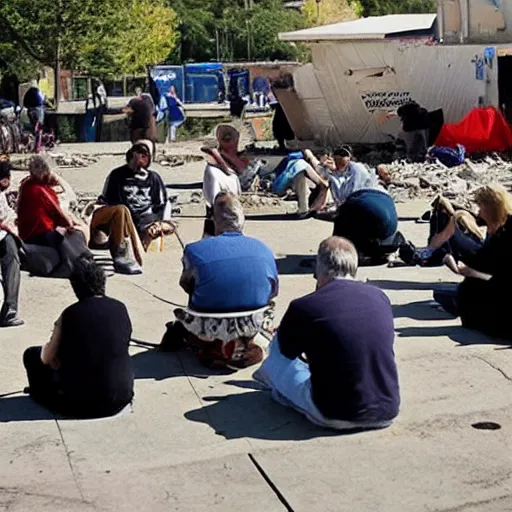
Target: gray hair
39, 167
228, 213
337, 257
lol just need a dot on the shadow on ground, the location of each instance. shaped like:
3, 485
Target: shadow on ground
156, 365
293, 264
420, 311
273, 217
460, 335
408, 285
255, 415
185, 186
22, 408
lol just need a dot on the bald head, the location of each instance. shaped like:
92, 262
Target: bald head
337, 258
228, 214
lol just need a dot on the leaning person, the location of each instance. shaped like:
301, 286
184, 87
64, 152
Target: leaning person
135, 209
480, 298
231, 280
366, 213
85, 370
9, 254
43, 223
345, 329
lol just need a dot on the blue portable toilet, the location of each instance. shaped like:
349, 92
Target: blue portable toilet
162, 77
204, 82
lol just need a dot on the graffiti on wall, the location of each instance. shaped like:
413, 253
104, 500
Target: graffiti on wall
385, 100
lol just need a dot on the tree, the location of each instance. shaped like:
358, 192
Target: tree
383, 7
327, 12
147, 35
90, 35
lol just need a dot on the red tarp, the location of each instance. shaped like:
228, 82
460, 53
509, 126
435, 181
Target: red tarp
483, 129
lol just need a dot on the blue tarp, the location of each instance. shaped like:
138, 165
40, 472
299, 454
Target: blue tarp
165, 76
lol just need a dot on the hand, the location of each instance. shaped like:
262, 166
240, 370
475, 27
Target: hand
329, 163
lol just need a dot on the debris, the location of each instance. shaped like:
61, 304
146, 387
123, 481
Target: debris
428, 179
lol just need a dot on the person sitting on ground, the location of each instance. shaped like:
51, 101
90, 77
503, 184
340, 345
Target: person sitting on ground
294, 172
136, 208
453, 232
366, 213
42, 222
85, 370
231, 280
218, 177
479, 300
345, 330
9, 254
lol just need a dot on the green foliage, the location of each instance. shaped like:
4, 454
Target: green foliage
241, 33
97, 36
383, 7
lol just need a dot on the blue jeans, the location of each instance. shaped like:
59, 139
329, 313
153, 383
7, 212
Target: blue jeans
290, 383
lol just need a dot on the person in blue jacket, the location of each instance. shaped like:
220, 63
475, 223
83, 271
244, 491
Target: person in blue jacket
175, 113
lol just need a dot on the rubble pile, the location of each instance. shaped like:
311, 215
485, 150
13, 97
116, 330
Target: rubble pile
73, 161
257, 201
427, 180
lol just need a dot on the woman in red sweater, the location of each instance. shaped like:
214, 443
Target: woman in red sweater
41, 220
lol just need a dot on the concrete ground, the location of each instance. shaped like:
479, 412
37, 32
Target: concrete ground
196, 440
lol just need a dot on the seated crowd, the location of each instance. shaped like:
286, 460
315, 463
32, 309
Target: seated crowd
326, 360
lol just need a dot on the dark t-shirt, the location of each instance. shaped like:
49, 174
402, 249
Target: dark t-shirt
96, 373
143, 194
346, 331
142, 107
33, 98
494, 257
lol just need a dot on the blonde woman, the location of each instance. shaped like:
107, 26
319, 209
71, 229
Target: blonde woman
488, 272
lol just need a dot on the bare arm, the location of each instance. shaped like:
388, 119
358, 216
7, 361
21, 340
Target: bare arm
49, 351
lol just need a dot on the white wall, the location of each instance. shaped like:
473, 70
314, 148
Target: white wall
490, 21
434, 76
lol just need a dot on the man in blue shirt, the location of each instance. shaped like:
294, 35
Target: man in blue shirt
345, 330
231, 280
230, 272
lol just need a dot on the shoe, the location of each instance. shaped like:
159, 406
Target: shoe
122, 263
305, 215
11, 320
174, 338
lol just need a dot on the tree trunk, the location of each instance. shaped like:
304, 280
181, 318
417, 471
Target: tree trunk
57, 88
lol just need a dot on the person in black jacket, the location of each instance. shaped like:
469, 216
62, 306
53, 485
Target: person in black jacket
479, 299
134, 199
85, 370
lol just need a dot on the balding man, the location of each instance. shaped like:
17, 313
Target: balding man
345, 329
230, 279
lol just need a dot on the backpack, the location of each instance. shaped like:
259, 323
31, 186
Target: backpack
10, 136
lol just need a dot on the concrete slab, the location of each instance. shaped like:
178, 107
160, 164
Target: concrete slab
185, 446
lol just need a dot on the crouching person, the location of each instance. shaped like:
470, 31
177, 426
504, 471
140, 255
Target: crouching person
135, 210
85, 369
345, 330
230, 279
